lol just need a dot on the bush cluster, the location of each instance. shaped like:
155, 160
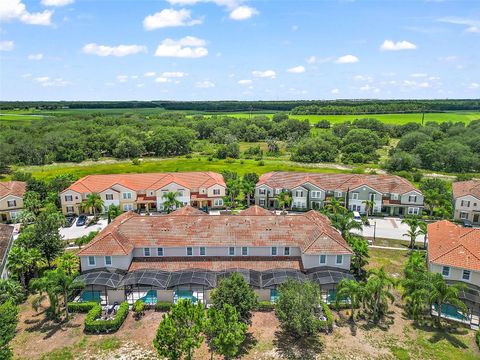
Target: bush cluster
327, 324
93, 325
265, 306
163, 306
477, 338
81, 307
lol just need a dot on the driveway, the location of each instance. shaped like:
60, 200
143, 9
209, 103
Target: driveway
387, 228
75, 231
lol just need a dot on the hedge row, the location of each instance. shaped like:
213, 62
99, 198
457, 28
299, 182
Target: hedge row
477, 338
265, 306
163, 306
92, 325
327, 324
81, 307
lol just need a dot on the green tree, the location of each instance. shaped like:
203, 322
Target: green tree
284, 199
298, 308
360, 255
416, 285
235, 291
46, 236
440, 293
334, 206
180, 331
85, 239
170, 201
8, 324
93, 203
413, 232
32, 202
225, 332
315, 150
112, 212
11, 290
369, 205
345, 223
23, 263
351, 290
378, 292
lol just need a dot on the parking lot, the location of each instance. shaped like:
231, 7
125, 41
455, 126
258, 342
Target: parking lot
387, 228
74, 231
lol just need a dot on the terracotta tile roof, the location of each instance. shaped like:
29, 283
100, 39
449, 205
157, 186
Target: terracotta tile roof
217, 263
311, 232
453, 245
382, 183
188, 210
255, 210
16, 188
153, 181
462, 188
6, 232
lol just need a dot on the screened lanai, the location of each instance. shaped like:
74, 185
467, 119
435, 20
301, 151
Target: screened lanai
97, 284
328, 279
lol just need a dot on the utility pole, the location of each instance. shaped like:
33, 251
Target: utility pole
374, 231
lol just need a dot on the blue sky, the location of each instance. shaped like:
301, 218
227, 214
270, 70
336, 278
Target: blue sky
238, 49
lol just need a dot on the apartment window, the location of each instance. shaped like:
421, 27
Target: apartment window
372, 196
338, 194
69, 209
203, 251
218, 202
189, 251
146, 251
127, 207
262, 202
262, 191
466, 275
323, 259
316, 194
216, 191
465, 203
356, 207
108, 261
91, 261
108, 196
231, 251
179, 193
127, 195
446, 271
12, 203
278, 191
413, 211
339, 259
286, 251
274, 251
244, 251
299, 193
159, 251
412, 198
68, 198
354, 196
463, 215
394, 197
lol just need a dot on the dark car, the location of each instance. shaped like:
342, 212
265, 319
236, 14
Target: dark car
70, 220
82, 220
467, 223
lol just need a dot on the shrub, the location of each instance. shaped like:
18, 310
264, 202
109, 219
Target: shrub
327, 324
92, 325
477, 338
163, 306
261, 163
138, 308
135, 162
265, 306
81, 307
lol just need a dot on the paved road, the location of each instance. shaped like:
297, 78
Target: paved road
75, 231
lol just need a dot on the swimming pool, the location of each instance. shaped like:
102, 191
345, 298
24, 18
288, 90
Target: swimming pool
451, 312
150, 298
184, 294
87, 296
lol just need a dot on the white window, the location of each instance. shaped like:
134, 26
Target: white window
446, 271
463, 215
216, 191
68, 198
108, 260
323, 259
262, 202
218, 202
299, 193
179, 193
70, 209
91, 261
413, 211
465, 203
394, 197
274, 251
372, 196
189, 251
286, 251
355, 196
244, 251
159, 251
338, 194
126, 195
278, 191
127, 207
316, 194
262, 191
356, 207
339, 259
108, 196
203, 251
412, 198
466, 275
146, 251
11, 203
231, 251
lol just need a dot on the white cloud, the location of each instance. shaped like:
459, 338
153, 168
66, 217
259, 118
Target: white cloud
297, 69
473, 29
335, 91
16, 10
264, 74
174, 74
243, 13
134, 77
122, 78
140, 85
170, 18
472, 25
120, 50
35, 57
294, 27
224, 3
368, 87
418, 75
57, 2
415, 84
205, 84
347, 59
150, 74
245, 82
366, 78
474, 86
161, 79
389, 45
48, 82
187, 47
7, 45
311, 60
26, 76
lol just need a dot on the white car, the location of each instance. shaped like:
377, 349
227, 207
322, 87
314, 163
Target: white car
357, 217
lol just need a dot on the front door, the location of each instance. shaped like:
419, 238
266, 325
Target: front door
4, 218
476, 218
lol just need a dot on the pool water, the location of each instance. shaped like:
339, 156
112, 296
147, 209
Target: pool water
452, 312
150, 298
273, 295
184, 294
87, 296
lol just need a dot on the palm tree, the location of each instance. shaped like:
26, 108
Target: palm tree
352, 290
423, 230
345, 223
432, 199
360, 255
112, 212
441, 293
416, 285
68, 262
23, 261
94, 203
284, 199
369, 205
378, 292
248, 189
11, 290
171, 201
413, 224
334, 206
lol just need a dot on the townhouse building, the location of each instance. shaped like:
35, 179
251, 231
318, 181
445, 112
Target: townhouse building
6, 241
184, 254
466, 201
11, 199
391, 195
145, 192
454, 252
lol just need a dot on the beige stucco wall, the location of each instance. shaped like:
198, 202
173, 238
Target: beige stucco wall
8, 210
311, 261
404, 198
456, 274
118, 262
470, 210
115, 296
216, 251
76, 200
165, 295
216, 187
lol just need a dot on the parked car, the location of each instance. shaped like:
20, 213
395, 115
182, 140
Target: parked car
82, 220
357, 217
70, 220
467, 223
